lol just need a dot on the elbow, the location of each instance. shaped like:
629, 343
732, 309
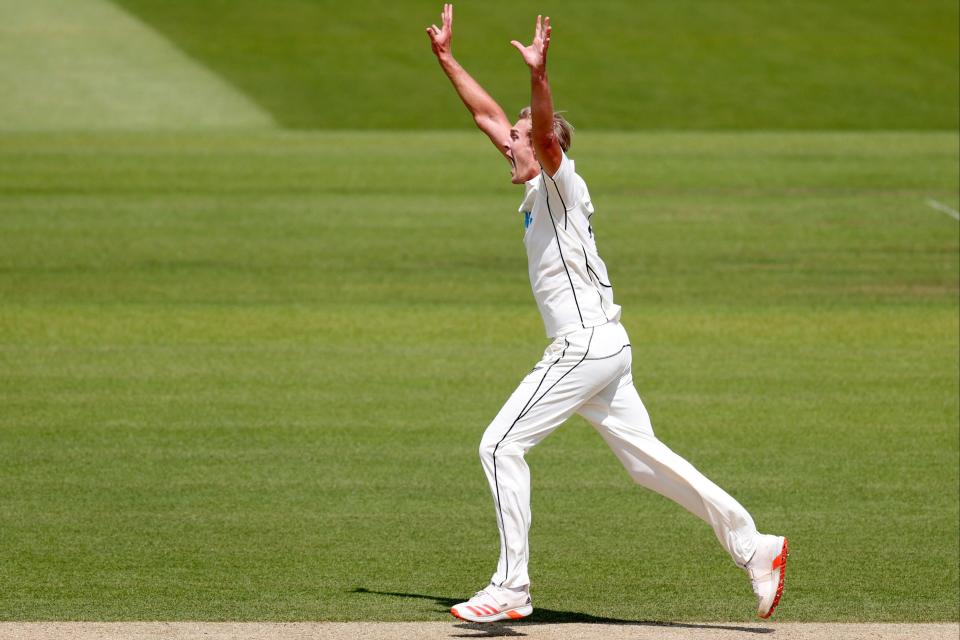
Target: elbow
484, 121
544, 141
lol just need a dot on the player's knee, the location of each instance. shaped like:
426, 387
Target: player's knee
496, 441
488, 446
486, 451
502, 448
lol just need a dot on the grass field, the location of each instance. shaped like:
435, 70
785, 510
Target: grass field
619, 64
243, 377
245, 365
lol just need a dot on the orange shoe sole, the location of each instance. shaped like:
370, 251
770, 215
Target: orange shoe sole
779, 562
512, 614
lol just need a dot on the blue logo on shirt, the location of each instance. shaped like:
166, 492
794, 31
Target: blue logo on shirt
527, 219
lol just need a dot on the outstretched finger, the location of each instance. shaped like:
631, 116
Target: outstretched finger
546, 33
519, 46
538, 30
447, 15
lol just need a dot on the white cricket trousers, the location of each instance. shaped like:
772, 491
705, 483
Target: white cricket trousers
589, 372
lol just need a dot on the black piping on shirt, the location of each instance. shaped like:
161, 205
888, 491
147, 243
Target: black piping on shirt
564, 204
546, 193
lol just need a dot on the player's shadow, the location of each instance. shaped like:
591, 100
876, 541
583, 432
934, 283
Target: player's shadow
549, 616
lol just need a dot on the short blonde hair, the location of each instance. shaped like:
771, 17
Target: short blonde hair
562, 129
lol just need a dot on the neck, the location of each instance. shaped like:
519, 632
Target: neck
528, 174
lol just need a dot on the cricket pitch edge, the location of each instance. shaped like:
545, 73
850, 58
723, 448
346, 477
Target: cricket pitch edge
453, 629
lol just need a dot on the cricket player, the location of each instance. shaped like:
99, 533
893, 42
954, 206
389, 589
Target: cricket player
586, 369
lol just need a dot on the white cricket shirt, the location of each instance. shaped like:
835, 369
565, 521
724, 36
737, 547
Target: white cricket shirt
569, 280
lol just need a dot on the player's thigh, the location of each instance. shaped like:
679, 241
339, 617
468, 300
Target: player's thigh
548, 395
617, 411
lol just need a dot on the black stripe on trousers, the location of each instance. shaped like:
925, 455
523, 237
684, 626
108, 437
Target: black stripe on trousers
523, 413
626, 346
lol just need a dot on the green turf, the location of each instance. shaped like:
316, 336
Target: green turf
244, 377
617, 64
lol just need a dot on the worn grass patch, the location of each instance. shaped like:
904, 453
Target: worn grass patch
68, 65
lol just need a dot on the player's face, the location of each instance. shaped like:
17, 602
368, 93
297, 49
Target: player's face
519, 149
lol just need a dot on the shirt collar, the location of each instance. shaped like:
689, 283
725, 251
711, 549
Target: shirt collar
532, 187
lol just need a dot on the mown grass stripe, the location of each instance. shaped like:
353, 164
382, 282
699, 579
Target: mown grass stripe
68, 65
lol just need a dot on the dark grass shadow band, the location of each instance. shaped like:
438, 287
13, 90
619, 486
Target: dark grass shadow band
551, 616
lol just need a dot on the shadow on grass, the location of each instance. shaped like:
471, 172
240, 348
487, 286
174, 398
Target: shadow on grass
548, 616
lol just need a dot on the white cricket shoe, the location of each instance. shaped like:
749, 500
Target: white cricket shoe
494, 603
766, 570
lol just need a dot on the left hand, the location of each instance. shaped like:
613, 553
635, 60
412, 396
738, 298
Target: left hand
440, 38
535, 55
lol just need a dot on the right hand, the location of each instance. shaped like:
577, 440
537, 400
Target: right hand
535, 55
440, 38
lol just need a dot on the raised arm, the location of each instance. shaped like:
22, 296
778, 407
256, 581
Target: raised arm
545, 143
486, 113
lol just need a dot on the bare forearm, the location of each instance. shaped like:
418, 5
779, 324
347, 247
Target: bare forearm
541, 106
486, 113
474, 97
544, 140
